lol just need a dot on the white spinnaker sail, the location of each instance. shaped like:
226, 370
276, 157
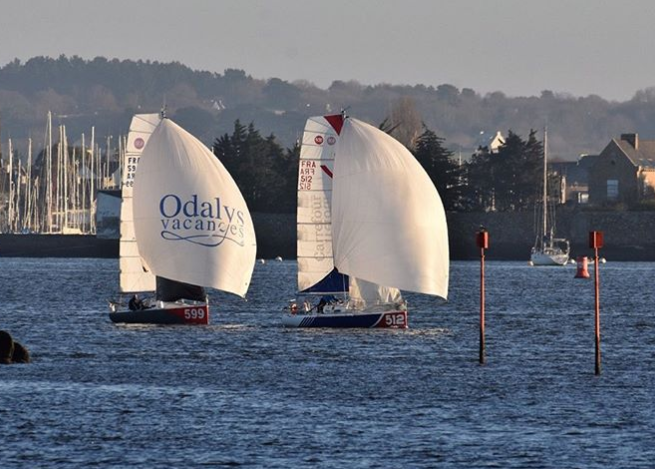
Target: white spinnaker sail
314, 248
134, 275
388, 222
191, 221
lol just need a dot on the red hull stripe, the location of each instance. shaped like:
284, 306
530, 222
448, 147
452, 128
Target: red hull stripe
326, 170
336, 122
191, 314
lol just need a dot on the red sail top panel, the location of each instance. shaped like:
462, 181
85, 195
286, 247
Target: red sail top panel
336, 121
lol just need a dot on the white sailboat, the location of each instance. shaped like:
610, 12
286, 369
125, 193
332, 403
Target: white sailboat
187, 226
370, 223
548, 250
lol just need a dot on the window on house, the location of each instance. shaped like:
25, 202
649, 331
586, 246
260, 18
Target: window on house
612, 189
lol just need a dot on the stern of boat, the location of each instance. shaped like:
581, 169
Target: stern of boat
162, 313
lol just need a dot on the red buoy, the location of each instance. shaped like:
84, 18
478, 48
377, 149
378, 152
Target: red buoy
582, 267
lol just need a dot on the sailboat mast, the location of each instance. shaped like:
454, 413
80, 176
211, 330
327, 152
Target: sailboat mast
92, 195
10, 171
58, 195
49, 174
65, 177
27, 218
82, 184
19, 179
545, 188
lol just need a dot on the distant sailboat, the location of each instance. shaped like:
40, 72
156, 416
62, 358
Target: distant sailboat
548, 250
370, 222
187, 225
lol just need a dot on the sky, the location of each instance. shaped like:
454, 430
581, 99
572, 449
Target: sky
518, 47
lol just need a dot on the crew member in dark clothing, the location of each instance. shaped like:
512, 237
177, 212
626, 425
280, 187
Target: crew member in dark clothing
135, 303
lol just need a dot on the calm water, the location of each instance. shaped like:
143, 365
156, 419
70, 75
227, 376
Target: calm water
245, 392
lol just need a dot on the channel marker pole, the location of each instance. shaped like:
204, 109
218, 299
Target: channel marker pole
482, 241
596, 242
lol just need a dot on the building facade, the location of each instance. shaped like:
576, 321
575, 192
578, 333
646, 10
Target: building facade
624, 172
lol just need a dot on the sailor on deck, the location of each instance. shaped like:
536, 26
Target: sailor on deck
135, 304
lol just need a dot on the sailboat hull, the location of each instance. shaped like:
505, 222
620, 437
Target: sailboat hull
389, 320
546, 259
187, 314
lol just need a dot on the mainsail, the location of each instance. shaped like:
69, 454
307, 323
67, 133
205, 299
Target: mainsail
191, 222
134, 275
316, 273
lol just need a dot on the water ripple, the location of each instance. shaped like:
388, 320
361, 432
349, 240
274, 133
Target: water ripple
247, 392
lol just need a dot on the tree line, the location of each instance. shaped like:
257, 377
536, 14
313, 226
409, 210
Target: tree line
506, 180
104, 93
